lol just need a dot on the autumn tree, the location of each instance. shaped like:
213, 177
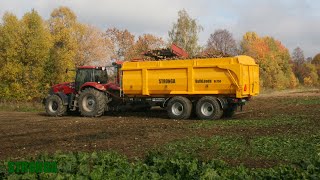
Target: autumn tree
62, 25
149, 41
185, 33
144, 43
316, 62
316, 59
24, 49
298, 56
273, 59
221, 42
35, 54
298, 64
310, 75
305, 71
36, 44
10, 55
93, 48
122, 41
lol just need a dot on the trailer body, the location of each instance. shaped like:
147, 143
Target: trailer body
233, 77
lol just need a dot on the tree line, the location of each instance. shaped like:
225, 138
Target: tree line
34, 52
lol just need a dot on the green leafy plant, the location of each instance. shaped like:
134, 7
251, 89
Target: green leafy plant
109, 165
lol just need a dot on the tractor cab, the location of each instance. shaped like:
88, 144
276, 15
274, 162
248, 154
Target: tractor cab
90, 74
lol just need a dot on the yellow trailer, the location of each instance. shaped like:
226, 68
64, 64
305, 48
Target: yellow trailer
235, 77
226, 81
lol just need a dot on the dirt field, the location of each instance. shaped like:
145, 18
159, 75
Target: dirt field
134, 134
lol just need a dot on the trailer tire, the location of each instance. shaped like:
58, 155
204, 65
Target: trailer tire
92, 102
179, 108
54, 106
209, 108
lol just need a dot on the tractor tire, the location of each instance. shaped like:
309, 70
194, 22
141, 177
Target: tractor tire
179, 108
54, 106
92, 103
229, 112
208, 108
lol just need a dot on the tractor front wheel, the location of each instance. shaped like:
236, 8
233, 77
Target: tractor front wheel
54, 106
92, 103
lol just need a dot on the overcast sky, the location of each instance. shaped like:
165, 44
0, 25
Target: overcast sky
293, 22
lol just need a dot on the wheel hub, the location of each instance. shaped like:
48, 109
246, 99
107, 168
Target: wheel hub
53, 106
207, 109
177, 108
89, 103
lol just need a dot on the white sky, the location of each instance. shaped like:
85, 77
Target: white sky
293, 22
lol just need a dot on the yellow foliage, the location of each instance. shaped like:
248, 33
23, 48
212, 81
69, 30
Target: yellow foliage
307, 81
93, 48
310, 76
272, 57
144, 43
122, 42
294, 82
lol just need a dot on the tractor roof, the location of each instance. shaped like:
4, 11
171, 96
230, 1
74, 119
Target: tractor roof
87, 67
99, 67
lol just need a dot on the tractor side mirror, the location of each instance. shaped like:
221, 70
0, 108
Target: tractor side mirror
67, 70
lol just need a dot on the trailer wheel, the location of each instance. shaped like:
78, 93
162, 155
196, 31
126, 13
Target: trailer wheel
92, 103
179, 108
208, 108
54, 106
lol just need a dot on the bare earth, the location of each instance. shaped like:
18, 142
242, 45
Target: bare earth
132, 134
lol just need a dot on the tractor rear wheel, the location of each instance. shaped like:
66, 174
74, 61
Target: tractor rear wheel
92, 103
208, 108
54, 106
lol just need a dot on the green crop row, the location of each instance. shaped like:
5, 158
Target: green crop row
280, 148
109, 165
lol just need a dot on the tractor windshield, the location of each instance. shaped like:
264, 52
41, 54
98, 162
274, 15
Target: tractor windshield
100, 76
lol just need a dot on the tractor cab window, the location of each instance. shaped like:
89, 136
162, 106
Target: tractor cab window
83, 76
100, 76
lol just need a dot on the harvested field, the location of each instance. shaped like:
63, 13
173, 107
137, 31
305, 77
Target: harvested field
272, 129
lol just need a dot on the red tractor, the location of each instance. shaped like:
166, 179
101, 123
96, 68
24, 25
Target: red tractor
89, 93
